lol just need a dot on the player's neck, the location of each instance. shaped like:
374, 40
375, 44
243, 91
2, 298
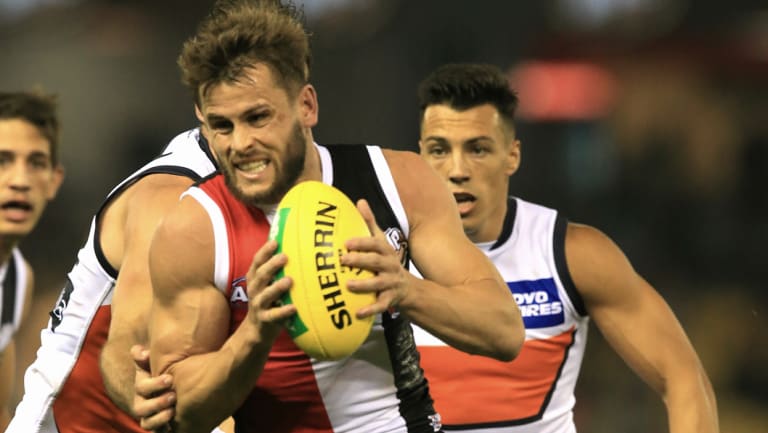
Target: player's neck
6, 246
313, 167
492, 227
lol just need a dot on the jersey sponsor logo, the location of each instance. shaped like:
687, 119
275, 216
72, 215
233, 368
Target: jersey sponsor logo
57, 315
539, 302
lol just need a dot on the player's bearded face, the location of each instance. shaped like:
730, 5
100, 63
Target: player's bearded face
287, 170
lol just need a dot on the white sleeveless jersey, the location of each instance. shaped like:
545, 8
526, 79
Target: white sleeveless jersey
63, 388
13, 293
534, 392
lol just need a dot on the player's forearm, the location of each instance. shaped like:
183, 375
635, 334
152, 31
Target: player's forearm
691, 404
211, 386
118, 374
479, 318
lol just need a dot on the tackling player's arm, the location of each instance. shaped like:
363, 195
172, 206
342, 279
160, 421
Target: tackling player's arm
127, 227
212, 371
155, 402
639, 324
462, 293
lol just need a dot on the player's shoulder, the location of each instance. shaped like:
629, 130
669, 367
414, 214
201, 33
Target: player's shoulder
595, 261
409, 170
135, 210
403, 158
157, 192
186, 215
184, 237
422, 192
586, 237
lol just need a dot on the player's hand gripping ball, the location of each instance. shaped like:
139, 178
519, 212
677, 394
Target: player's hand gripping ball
311, 224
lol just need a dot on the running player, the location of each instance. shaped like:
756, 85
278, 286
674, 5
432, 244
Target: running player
561, 274
30, 176
248, 66
64, 392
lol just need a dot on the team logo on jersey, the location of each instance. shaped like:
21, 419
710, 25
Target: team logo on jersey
239, 295
539, 302
57, 315
396, 238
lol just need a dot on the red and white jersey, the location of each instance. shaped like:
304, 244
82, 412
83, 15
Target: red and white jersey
13, 293
534, 392
380, 387
63, 388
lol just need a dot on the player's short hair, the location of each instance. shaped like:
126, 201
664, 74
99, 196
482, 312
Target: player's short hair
237, 34
462, 86
37, 108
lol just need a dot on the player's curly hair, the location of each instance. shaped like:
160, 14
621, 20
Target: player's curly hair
466, 85
237, 34
37, 108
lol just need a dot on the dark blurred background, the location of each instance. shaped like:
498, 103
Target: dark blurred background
645, 118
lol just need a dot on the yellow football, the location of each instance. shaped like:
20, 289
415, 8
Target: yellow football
312, 222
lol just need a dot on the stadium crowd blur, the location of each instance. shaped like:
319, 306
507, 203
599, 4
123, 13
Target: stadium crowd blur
645, 118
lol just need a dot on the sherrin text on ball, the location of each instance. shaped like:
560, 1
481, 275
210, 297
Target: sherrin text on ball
312, 222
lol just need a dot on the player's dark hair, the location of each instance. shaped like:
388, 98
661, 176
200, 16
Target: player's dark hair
462, 86
237, 34
37, 108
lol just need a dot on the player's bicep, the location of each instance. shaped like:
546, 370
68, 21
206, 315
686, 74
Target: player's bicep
443, 254
132, 295
195, 321
645, 333
602, 274
632, 316
439, 248
189, 314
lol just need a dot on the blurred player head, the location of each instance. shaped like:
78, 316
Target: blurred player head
30, 172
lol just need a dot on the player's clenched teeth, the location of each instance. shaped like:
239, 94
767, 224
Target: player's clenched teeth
253, 166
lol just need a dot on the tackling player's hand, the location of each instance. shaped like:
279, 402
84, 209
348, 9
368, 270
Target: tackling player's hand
154, 400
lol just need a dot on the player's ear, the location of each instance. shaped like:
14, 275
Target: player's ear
199, 114
513, 157
422, 145
308, 108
